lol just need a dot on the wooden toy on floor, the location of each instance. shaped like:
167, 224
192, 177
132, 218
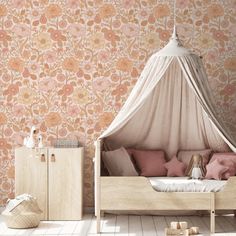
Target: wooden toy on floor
181, 228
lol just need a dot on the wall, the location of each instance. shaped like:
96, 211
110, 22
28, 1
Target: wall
67, 66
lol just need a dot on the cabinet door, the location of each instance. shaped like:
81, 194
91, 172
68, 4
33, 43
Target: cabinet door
31, 175
65, 183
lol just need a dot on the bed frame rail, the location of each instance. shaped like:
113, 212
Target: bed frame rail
136, 193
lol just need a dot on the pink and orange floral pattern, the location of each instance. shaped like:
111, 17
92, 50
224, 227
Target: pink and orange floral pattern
68, 66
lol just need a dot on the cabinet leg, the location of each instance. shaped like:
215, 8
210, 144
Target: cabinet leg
98, 221
102, 213
234, 213
212, 216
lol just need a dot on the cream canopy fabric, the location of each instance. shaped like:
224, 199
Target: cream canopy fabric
170, 107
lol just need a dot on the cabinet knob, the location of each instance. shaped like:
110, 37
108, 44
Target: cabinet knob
53, 158
42, 158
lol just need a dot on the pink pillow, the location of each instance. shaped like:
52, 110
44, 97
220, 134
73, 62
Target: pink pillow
223, 156
186, 155
149, 162
215, 170
232, 168
175, 167
227, 159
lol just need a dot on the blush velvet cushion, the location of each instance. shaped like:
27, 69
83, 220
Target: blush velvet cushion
215, 170
175, 168
118, 163
149, 162
227, 159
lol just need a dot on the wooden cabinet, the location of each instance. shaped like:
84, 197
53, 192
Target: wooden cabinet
55, 177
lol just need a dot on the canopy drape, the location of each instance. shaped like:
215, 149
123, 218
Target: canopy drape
170, 107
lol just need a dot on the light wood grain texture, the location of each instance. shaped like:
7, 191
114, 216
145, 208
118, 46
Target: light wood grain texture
65, 183
31, 175
212, 213
136, 193
54, 176
226, 199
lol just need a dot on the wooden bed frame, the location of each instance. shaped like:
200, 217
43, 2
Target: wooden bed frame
136, 193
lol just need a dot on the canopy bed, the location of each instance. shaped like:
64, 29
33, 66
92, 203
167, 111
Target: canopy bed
169, 108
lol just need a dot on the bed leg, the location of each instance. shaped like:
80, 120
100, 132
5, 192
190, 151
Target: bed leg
212, 216
234, 213
212, 221
98, 221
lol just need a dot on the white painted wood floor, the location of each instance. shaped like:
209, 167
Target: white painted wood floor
124, 225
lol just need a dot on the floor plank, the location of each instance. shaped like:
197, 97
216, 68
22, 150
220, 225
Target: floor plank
122, 225
232, 221
83, 225
225, 225
205, 220
148, 226
160, 225
109, 225
54, 227
26, 232
41, 229
135, 227
169, 219
197, 221
68, 227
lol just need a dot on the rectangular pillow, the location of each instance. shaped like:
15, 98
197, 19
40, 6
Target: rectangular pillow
118, 163
149, 162
220, 156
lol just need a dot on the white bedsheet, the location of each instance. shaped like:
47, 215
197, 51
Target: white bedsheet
183, 184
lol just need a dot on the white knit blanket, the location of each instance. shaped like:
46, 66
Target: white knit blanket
183, 184
12, 203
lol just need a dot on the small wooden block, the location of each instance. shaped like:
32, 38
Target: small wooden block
194, 230
169, 231
183, 225
182, 232
174, 225
186, 232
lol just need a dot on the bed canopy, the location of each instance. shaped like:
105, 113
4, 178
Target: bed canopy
170, 107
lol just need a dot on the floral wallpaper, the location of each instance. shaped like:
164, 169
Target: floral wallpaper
67, 66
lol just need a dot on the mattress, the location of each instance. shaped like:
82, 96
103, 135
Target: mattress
183, 184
